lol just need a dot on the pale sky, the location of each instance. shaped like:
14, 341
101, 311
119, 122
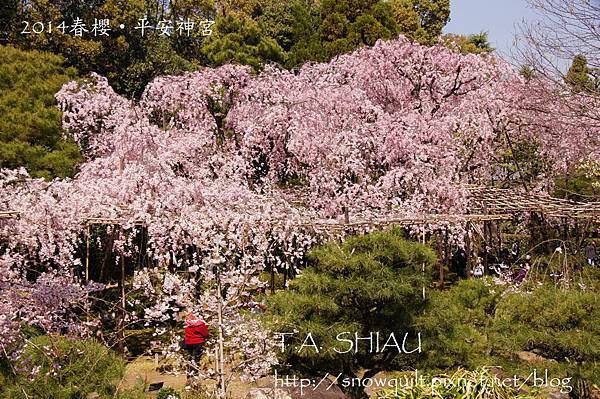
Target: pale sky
497, 17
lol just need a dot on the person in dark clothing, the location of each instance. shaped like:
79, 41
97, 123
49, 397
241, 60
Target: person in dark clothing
459, 263
523, 270
515, 251
522, 274
195, 335
590, 254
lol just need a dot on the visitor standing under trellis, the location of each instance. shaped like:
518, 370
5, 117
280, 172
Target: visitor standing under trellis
195, 335
590, 253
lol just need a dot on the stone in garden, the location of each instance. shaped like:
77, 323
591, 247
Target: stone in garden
322, 391
267, 393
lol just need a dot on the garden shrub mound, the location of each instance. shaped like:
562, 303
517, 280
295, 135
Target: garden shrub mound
551, 328
461, 384
53, 367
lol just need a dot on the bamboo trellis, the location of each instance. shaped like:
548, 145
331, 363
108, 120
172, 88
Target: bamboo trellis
427, 219
507, 201
9, 214
485, 204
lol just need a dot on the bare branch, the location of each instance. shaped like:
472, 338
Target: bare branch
566, 28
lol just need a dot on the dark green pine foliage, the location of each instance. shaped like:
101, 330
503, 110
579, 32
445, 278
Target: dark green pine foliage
478, 324
30, 122
421, 20
239, 40
580, 78
371, 283
311, 31
456, 325
346, 25
68, 369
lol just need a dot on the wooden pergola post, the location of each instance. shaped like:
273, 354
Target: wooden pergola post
468, 248
220, 370
121, 321
486, 240
272, 279
499, 233
87, 255
423, 266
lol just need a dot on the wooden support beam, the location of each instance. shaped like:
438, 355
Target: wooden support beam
486, 240
272, 279
121, 321
468, 248
87, 256
9, 214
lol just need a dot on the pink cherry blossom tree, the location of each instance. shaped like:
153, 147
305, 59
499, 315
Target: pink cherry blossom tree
229, 172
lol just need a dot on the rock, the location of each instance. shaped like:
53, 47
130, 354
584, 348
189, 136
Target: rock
314, 391
557, 395
531, 357
320, 392
267, 393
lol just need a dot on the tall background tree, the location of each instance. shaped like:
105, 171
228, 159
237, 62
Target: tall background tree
252, 32
477, 43
8, 14
239, 40
30, 121
567, 34
421, 20
581, 78
128, 58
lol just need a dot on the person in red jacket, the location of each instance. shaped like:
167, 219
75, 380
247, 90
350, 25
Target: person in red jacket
195, 335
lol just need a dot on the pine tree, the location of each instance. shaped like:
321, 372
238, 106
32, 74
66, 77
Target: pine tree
579, 76
239, 40
368, 284
30, 122
474, 44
